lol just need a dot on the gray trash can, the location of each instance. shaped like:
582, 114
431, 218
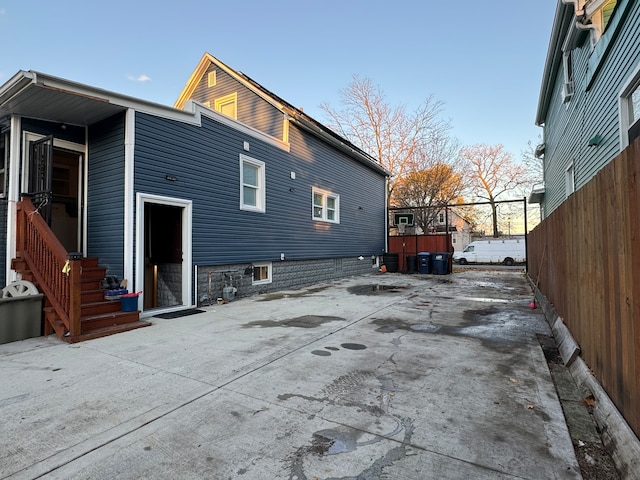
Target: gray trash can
20, 312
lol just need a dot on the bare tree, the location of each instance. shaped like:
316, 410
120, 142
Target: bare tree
493, 173
427, 191
399, 139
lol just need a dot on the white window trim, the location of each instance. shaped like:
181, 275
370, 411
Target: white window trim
325, 194
187, 238
568, 87
261, 206
212, 79
570, 180
227, 99
269, 266
624, 115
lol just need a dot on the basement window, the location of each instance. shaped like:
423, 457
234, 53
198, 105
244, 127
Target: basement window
261, 273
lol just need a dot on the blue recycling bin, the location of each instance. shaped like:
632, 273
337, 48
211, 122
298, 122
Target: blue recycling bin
440, 263
424, 262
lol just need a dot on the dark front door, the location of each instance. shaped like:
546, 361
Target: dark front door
54, 187
41, 176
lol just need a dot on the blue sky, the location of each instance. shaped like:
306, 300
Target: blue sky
483, 60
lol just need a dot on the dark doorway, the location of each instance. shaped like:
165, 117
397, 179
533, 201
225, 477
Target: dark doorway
55, 189
163, 255
66, 198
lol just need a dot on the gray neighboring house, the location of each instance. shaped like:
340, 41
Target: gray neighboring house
233, 187
589, 105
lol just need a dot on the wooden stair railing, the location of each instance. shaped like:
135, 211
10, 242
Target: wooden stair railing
57, 274
75, 305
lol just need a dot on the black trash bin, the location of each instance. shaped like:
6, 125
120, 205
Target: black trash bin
424, 262
440, 263
391, 261
411, 263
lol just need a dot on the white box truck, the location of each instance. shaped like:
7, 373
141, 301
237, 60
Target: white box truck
509, 252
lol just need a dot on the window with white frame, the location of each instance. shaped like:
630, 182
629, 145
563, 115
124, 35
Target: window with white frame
598, 13
567, 87
570, 182
326, 206
227, 105
261, 273
252, 184
630, 110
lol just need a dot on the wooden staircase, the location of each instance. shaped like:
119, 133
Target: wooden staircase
75, 308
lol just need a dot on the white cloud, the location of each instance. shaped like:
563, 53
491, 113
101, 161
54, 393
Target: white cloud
140, 78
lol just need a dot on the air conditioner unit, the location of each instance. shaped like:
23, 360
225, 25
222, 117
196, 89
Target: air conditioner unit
567, 91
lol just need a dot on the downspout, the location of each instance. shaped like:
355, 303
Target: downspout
13, 195
129, 203
386, 216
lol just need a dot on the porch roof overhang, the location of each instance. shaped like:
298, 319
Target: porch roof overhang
45, 97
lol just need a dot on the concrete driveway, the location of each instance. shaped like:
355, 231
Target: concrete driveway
386, 376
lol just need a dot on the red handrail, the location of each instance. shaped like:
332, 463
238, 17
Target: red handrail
58, 277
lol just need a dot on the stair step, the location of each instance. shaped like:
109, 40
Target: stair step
99, 308
88, 262
92, 296
93, 322
105, 331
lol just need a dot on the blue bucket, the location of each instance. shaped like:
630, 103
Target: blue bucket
129, 302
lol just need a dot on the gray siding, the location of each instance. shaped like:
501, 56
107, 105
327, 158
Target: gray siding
105, 202
205, 162
252, 109
569, 126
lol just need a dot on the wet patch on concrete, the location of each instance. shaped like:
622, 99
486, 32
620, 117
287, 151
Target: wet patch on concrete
344, 441
306, 321
321, 353
353, 346
346, 346
297, 294
495, 326
376, 289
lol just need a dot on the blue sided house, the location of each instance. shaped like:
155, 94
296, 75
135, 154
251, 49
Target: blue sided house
230, 192
589, 104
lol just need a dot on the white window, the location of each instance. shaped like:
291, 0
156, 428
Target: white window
598, 14
567, 87
227, 105
326, 206
211, 79
570, 182
630, 110
252, 184
261, 273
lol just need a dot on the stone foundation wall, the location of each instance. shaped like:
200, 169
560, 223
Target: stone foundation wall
285, 275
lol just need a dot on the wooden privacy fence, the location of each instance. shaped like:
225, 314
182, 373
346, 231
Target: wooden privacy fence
586, 258
410, 245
